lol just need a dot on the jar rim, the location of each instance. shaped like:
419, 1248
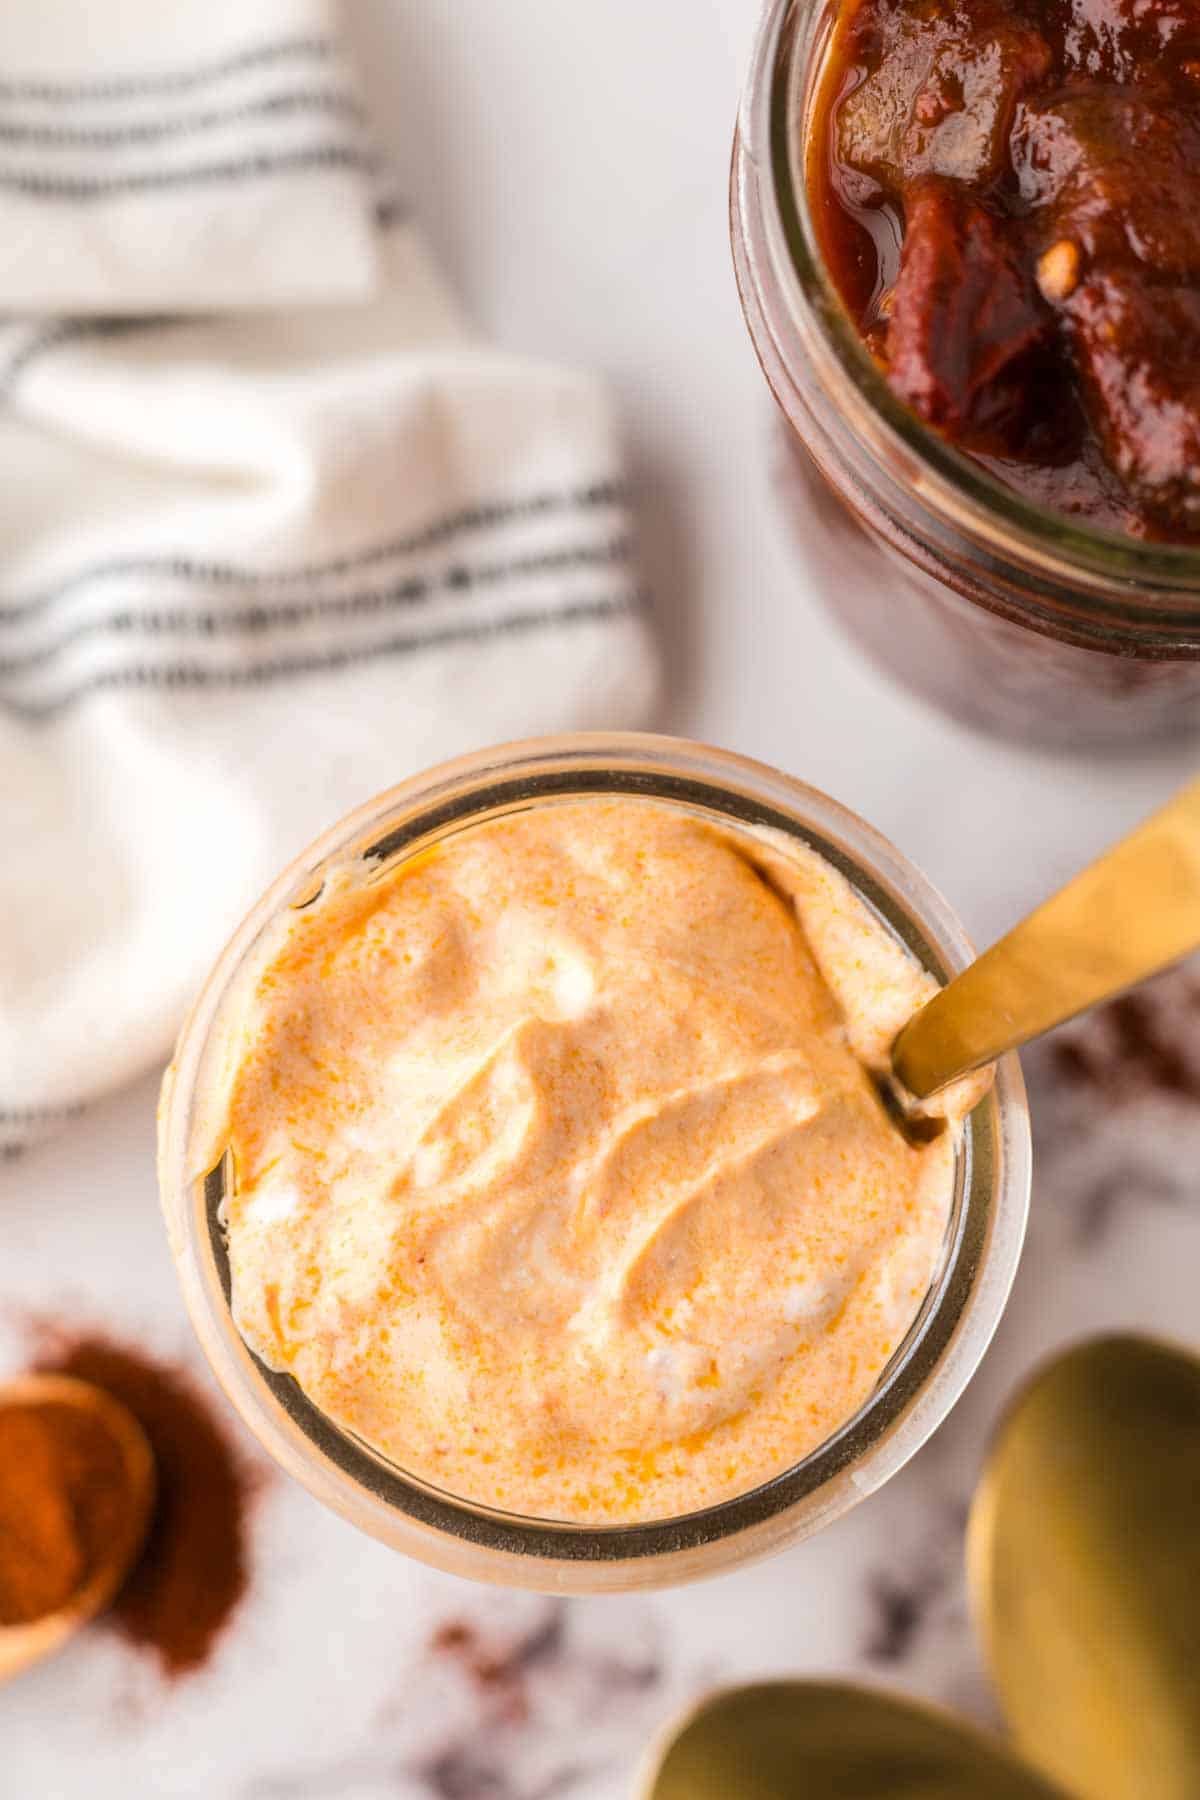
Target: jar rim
1134, 583
924, 1375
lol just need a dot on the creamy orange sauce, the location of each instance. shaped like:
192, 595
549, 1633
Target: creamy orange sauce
559, 1175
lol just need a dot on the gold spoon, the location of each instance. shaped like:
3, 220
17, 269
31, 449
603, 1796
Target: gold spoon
1083, 1557
1128, 915
21, 1645
829, 1740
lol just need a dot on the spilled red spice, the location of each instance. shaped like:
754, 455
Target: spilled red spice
1144, 1043
195, 1567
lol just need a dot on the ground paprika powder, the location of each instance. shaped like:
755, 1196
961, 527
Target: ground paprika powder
195, 1565
64, 1506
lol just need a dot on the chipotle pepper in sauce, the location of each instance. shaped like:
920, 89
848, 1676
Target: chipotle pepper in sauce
1007, 195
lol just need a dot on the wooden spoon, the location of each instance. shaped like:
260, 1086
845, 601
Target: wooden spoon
21, 1645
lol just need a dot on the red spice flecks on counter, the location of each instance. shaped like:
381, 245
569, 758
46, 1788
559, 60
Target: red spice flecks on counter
1145, 1044
195, 1567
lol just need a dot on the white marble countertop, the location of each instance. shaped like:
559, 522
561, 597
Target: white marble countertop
571, 165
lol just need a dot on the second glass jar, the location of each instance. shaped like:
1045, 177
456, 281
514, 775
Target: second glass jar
1005, 615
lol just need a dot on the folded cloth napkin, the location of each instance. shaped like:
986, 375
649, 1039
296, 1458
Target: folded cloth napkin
276, 528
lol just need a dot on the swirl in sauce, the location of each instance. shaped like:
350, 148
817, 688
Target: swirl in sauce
560, 1175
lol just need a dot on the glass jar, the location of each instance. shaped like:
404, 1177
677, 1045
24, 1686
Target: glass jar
1006, 615
925, 1375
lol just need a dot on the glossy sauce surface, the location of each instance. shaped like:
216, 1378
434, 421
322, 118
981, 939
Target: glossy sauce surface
1007, 196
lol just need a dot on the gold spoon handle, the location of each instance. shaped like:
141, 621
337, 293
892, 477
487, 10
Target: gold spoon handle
1129, 914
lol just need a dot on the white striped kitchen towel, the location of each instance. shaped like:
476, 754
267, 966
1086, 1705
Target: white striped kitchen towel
276, 527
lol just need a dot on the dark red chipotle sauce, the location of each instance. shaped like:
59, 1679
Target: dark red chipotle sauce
1007, 196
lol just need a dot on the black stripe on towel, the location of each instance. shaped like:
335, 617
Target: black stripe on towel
71, 331
37, 1115
228, 171
203, 676
187, 621
170, 81
23, 1126
153, 131
483, 516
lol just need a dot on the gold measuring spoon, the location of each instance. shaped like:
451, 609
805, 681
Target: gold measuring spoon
1128, 915
1083, 1556
22, 1645
828, 1740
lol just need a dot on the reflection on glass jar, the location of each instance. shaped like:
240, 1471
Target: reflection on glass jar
684, 785
1005, 614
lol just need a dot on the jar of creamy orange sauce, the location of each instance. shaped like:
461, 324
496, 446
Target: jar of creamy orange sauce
527, 1180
